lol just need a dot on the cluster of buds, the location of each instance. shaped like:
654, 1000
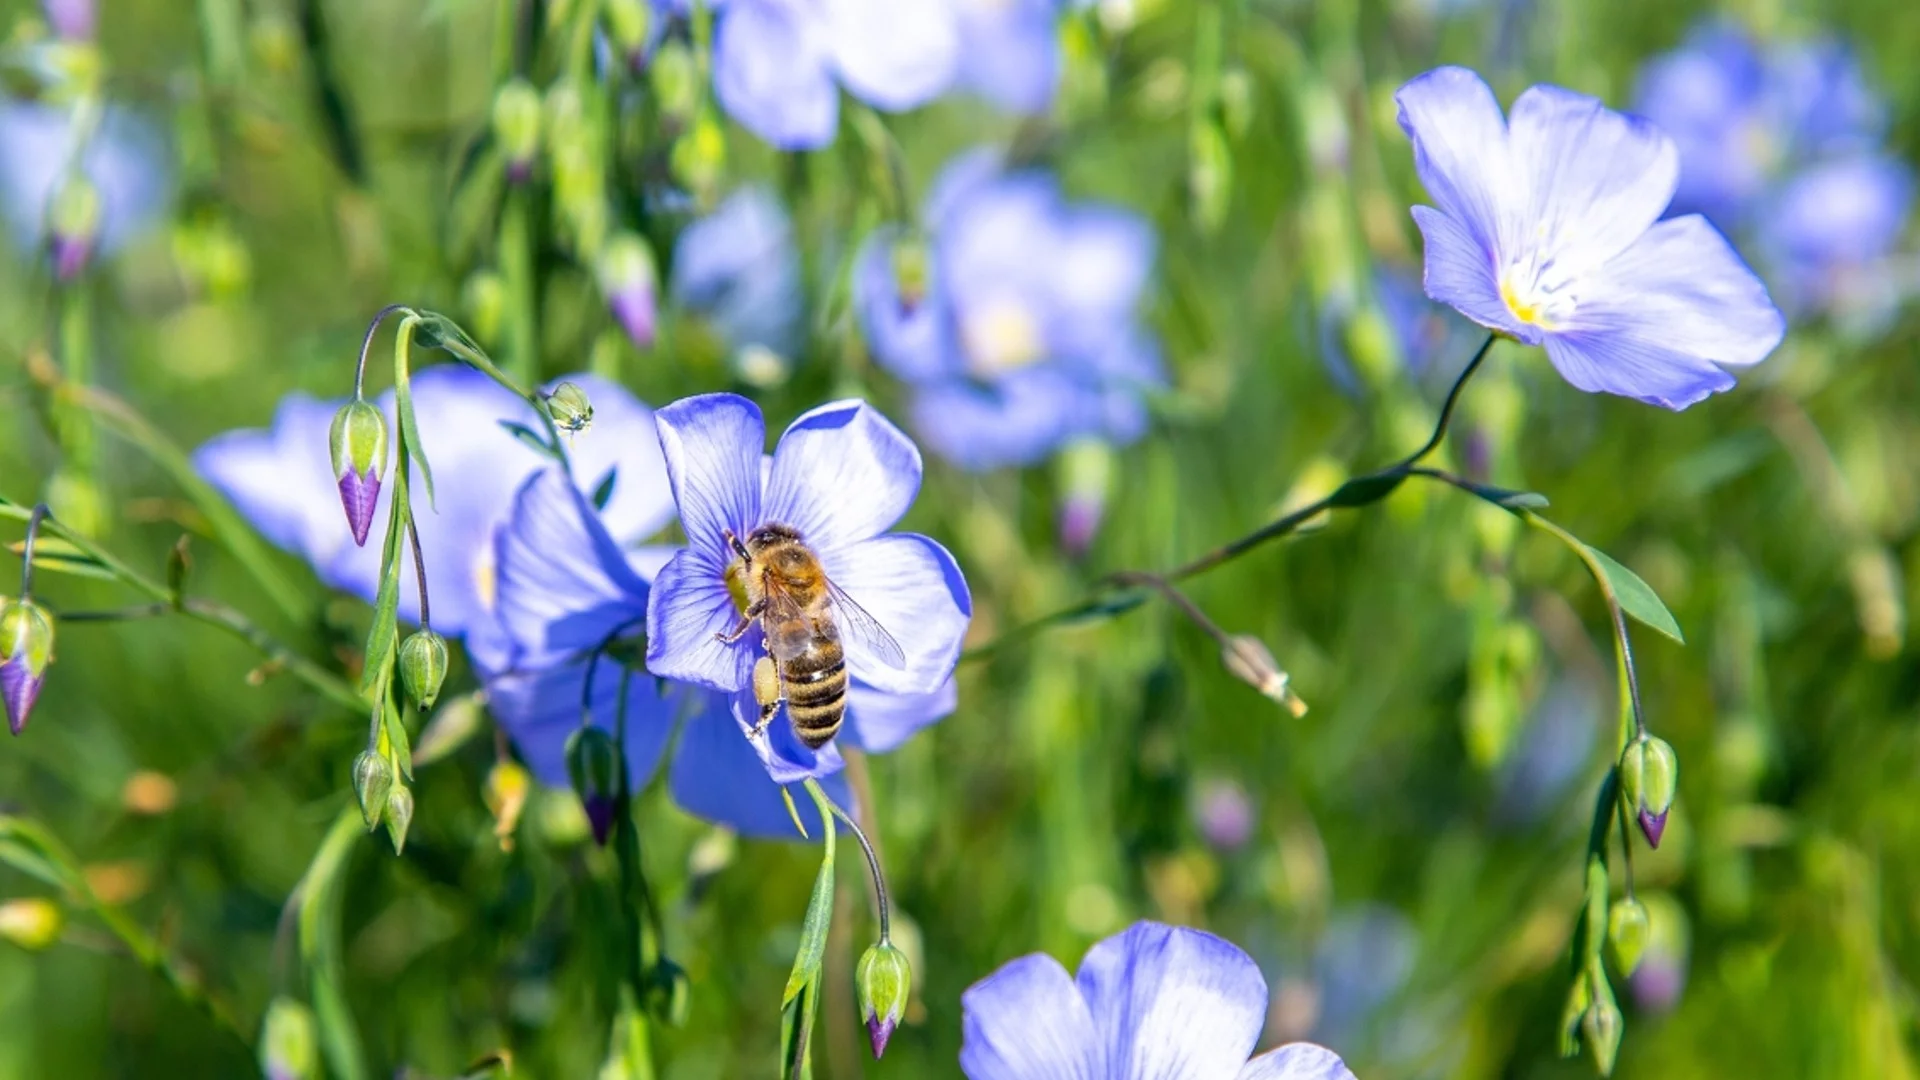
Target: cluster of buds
359, 446
883, 981
1649, 777
26, 648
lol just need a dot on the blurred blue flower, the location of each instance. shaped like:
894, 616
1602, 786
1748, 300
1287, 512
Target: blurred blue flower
568, 594
1360, 964
1741, 115
1010, 51
1785, 139
739, 267
779, 65
1547, 230
1423, 331
841, 476
125, 160
1154, 1001
1018, 329
281, 480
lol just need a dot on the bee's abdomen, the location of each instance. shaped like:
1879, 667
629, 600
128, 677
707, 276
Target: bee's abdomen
817, 691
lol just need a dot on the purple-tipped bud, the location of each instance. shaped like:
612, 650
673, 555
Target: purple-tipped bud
629, 282
75, 223
359, 446
593, 765
1086, 476
884, 982
516, 128
1649, 777
72, 20
26, 648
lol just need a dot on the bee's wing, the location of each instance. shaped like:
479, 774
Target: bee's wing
865, 629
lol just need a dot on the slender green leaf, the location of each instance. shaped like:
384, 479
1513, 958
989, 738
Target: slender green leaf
57, 555
383, 638
32, 863
813, 930
603, 492
1636, 597
403, 403
397, 734
1365, 489
533, 439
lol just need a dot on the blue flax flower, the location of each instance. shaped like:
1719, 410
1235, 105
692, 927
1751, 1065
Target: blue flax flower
779, 65
1156, 1001
281, 480
740, 268
572, 601
1547, 229
125, 160
1018, 329
1010, 51
1785, 139
841, 476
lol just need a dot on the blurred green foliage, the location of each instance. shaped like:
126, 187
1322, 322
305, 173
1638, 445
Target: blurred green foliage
1452, 661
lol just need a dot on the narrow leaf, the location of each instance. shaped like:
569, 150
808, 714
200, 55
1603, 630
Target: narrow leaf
1366, 489
527, 435
403, 403
61, 557
1636, 597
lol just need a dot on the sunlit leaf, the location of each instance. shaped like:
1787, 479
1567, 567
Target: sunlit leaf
1636, 597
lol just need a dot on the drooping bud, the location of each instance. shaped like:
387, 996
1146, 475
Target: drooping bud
507, 788
26, 648
516, 127
423, 666
1250, 661
372, 782
593, 765
570, 409
883, 981
1086, 476
399, 815
699, 156
1649, 776
288, 1049
1627, 930
31, 923
1602, 1027
359, 444
627, 24
74, 224
629, 282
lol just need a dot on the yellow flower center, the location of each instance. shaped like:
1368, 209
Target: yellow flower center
1001, 336
486, 578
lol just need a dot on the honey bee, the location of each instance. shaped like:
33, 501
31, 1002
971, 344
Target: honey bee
801, 613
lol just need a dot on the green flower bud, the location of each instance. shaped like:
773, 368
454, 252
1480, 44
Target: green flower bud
399, 816
372, 781
569, 407
32, 923
1627, 930
883, 981
288, 1047
359, 445
593, 765
627, 280
699, 157
676, 81
516, 127
627, 25
1250, 661
423, 666
26, 649
1649, 777
1602, 1027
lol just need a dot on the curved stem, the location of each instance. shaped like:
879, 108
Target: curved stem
360, 370
34, 519
873, 859
420, 574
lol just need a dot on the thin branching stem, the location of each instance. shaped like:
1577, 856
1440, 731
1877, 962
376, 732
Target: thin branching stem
366, 343
34, 519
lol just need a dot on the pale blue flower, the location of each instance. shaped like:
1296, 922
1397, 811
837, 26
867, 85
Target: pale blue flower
1547, 229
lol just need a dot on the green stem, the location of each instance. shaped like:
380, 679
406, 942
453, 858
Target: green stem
516, 260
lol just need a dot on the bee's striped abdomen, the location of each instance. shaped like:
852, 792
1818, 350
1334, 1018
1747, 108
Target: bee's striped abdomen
816, 685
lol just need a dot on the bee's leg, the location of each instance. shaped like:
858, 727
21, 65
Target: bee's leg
767, 690
746, 623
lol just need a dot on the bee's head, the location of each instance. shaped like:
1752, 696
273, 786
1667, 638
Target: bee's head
770, 535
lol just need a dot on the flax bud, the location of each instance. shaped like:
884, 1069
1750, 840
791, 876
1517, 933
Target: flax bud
570, 409
516, 127
372, 782
629, 282
593, 765
423, 666
288, 1048
26, 649
399, 815
1649, 777
359, 445
1250, 661
883, 981
1627, 930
